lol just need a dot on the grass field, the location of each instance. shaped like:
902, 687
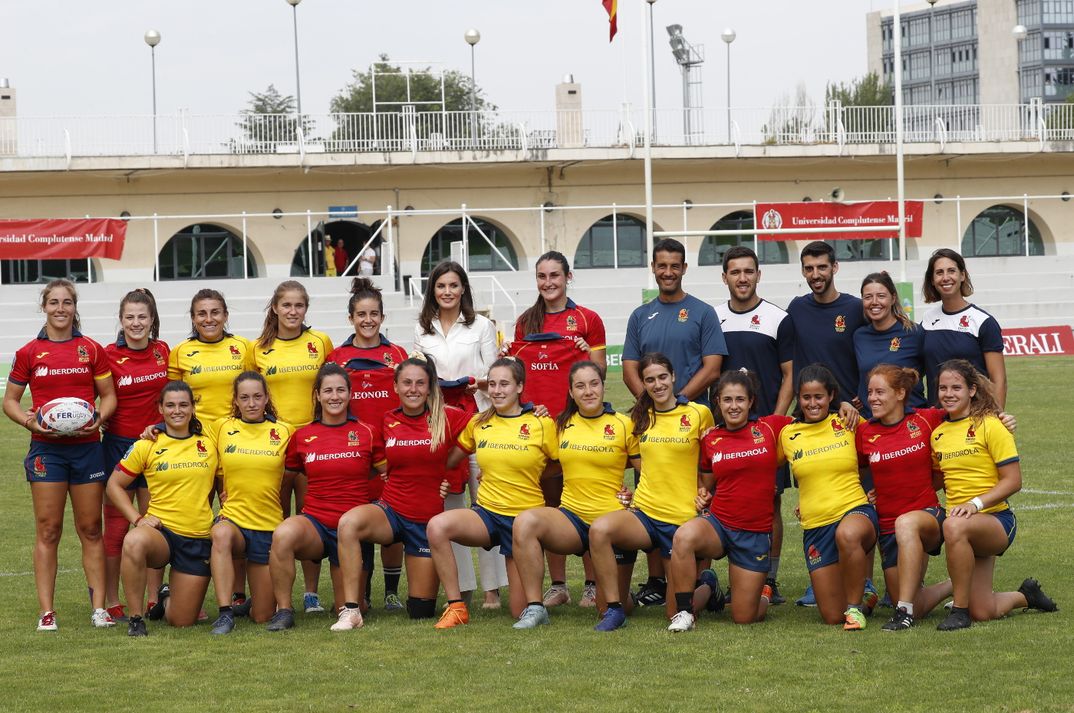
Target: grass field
790, 662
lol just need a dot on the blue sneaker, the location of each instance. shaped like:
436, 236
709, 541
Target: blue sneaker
311, 603
224, 624
808, 599
869, 601
613, 619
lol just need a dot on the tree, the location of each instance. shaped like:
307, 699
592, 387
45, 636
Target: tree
357, 97
270, 119
867, 91
791, 121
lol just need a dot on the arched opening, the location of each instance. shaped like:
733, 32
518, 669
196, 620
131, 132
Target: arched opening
353, 235
482, 258
612, 241
204, 251
25, 272
713, 247
1001, 230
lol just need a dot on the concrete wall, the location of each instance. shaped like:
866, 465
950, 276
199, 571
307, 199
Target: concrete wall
997, 52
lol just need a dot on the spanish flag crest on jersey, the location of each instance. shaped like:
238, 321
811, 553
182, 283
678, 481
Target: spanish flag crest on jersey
684, 423
609, 432
836, 426
524, 431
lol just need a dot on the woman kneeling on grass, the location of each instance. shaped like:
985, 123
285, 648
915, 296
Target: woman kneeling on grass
418, 436
336, 455
179, 467
595, 445
742, 455
669, 430
839, 526
980, 468
515, 451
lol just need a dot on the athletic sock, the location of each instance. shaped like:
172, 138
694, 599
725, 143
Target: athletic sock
656, 581
590, 583
773, 567
684, 601
350, 605
391, 579
857, 606
558, 583
238, 595
615, 605
454, 601
534, 604
225, 610
908, 606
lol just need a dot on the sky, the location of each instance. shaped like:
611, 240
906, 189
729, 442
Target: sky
88, 58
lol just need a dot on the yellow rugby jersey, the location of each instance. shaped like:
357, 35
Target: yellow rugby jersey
669, 459
969, 455
210, 368
251, 467
512, 452
593, 453
824, 461
290, 368
180, 473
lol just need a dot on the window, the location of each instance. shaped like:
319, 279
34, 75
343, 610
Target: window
21, 272
1000, 230
204, 251
769, 252
482, 257
601, 246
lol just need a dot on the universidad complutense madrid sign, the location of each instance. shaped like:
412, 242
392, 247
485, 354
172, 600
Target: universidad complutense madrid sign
816, 214
57, 239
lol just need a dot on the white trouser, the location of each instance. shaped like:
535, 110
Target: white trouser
491, 563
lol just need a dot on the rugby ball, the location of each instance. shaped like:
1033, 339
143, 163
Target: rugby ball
66, 415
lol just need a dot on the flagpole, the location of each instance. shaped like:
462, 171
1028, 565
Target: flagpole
648, 150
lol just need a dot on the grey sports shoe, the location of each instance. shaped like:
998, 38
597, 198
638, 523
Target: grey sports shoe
532, 616
223, 624
281, 620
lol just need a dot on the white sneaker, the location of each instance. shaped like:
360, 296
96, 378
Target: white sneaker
682, 621
556, 595
47, 622
589, 596
348, 619
102, 619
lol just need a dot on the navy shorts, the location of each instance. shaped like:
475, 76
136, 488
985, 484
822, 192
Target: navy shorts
748, 550
889, 547
819, 542
258, 542
580, 526
189, 555
73, 463
1010, 525
115, 448
661, 533
499, 527
410, 533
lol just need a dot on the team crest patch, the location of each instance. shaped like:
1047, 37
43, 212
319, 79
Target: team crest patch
758, 437
814, 555
609, 432
524, 431
39, 467
159, 357
387, 359
964, 322
203, 452
235, 353
836, 426
311, 349
971, 434
83, 354
755, 321
572, 323
840, 323
914, 429
684, 314
352, 438
895, 344
684, 423
273, 437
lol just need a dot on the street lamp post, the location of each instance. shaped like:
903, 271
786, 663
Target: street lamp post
472, 37
298, 81
932, 52
728, 36
1019, 32
647, 155
152, 38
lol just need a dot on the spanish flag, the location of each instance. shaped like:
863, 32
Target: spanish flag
612, 6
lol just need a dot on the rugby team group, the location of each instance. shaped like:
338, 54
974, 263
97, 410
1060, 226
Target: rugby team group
207, 446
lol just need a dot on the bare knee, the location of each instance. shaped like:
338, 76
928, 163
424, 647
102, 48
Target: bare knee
48, 532
955, 529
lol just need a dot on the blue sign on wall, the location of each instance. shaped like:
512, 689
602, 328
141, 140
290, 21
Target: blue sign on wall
343, 211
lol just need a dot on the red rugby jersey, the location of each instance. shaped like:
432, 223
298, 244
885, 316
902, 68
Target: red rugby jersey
901, 461
573, 321
337, 461
55, 370
548, 358
139, 375
372, 372
415, 472
744, 463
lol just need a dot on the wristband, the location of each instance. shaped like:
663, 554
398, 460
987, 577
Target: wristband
978, 503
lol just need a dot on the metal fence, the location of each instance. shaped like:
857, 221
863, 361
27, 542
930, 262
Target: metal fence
528, 132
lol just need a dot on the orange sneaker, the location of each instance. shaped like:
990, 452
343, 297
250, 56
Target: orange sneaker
454, 615
766, 593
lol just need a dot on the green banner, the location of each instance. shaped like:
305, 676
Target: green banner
615, 358
906, 297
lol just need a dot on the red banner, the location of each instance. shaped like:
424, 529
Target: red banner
1037, 341
50, 239
817, 214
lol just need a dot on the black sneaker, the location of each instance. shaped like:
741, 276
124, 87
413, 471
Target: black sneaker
957, 619
156, 613
1035, 597
652, 594
281, 620
242, 608
777, 598
136, 627
900, 621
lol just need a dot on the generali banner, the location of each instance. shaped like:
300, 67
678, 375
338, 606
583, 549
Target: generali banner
816, 214
52, 239
1037, 341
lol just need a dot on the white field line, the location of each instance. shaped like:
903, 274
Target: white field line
30, 574
1031, 491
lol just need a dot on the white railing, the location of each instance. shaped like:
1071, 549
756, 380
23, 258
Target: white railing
184, 134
